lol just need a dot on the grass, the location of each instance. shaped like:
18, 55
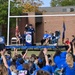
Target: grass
36, 52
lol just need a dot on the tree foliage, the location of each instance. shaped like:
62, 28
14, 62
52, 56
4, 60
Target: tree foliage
3, 12
55, 3
15, 9
31, 5
29, 8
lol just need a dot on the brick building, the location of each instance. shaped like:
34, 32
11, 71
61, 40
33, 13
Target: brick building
50, 23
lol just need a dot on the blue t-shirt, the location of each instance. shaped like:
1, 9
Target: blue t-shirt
20, 67
48, 68
9, 72
45, 36
49, 36
68, 70
60, 59
63, 57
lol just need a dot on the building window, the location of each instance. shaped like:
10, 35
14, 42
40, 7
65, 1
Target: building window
71, 9
64, 10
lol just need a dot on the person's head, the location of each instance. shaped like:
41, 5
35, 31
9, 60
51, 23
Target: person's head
67, 39
46, 32
33, 57
26, 66
69, 59
57, 53
9, 52
41, 72
23, 52
30, 26
21, 61
13, 68
3, 70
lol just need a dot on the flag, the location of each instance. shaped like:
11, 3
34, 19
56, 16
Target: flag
64, 27
63, 34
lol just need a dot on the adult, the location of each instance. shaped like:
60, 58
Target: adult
19, 37
26, 27
31, 29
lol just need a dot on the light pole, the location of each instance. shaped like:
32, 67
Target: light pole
8, 22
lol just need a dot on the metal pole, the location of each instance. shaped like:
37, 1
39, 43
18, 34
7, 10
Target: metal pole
8, 22
16, 21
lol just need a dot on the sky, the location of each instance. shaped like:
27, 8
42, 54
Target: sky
46, 3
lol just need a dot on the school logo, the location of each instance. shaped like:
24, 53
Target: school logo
28, 38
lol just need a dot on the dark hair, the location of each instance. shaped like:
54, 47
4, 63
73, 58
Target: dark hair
41, 59
2, 46
34, 56
23, 52
14, 61
41, 72
19, 56
41, 54
21, 61
57, 53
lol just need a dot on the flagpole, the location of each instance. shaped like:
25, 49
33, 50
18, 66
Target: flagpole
8, 22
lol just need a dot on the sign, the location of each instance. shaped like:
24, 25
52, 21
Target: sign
28, 39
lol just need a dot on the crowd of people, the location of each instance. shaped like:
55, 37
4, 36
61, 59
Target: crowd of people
50, 38
59, 63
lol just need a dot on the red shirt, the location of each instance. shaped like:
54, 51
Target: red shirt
67, 42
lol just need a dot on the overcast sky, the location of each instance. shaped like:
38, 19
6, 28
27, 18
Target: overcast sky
46, 3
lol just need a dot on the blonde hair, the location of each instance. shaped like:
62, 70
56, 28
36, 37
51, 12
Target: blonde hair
69, 59
13, 68
3, 70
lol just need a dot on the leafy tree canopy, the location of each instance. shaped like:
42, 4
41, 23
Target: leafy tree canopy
15, 10
31, 5
55, 3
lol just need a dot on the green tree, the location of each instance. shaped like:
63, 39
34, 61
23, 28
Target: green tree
15, 10
55, 3
31, 5
3, 12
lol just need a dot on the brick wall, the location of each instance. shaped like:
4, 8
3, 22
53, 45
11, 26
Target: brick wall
56, 23
49, 23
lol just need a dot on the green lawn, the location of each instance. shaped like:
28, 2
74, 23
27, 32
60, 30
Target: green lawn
34, 52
